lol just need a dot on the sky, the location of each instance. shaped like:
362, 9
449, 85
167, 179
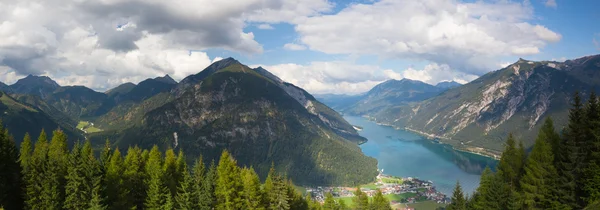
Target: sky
323, 46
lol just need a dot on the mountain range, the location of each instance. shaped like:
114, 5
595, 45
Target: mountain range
259, 118
479, 115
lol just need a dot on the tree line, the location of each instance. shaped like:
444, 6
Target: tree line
47, 175
562, 170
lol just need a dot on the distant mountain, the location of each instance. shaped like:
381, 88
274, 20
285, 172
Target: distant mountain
121, 89
36, 85
3, 87
22, 118
338, 101
393, 93
448, 84
258, 117
514, 99
166, 79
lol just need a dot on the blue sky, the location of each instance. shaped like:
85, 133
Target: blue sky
320, 45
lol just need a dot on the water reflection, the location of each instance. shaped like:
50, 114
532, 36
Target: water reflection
405, 154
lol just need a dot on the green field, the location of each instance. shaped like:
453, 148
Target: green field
391, 197
426, 205
392, 180
87, 127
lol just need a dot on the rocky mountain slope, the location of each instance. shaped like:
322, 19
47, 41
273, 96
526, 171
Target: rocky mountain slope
393, 93
258, 117
514, 99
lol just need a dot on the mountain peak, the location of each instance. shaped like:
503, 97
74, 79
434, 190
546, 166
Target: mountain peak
166, 79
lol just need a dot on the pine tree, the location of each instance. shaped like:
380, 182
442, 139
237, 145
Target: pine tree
568, 155
329, 203
489, 192
157, 190
10, 172
360, 200
253, 195
170, 171
510, 163
342, 205
590, 167
295, 198
36, 180
229, 186
458, 199
134, 178
186, 197
25, 153
105, 155
116, 189
76, 193
201, 188
380, 202
208, 198
276, 195
537, 183
54, 188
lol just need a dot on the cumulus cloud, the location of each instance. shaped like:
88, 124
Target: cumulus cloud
265, 26
550, 3
292, 46
330, 77
104, 43
466, 36
435, 73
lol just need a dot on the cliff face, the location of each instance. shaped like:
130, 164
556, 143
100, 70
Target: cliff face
515, 100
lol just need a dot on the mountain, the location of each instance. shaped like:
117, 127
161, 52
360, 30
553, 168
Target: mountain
121, 89
393, 93
22, 118
480, 114
166, 79
338, 101
259, 118
3, 87
448, 84
34, 85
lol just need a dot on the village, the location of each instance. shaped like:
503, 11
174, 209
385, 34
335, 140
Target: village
400, 191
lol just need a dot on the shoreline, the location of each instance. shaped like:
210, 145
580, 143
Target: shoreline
469, 149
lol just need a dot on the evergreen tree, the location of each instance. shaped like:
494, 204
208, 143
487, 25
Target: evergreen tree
105, 155
229, 186
36, 180
25, 154
170, 171
458, 199
295, 198
187, 195
380, 202
253, 195
134, 178
275, 189
54, 188
329, 203
360, 200
201, 191
590, 167
208, 198
539, 173
158, 192
342, 205
76, 192
568, 155
10, 172
490, 191
116, 188
510, 163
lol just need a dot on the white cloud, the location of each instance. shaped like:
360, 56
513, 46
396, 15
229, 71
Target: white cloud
265, 26
330, 77
434, 73
550, 3
292, 46
561, 59
469, 37
104, 43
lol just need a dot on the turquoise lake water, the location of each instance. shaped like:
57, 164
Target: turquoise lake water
405, 154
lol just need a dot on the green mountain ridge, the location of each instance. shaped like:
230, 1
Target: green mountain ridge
514, 99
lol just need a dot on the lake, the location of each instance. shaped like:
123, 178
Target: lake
406, 154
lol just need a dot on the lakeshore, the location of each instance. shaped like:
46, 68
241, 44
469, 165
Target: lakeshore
459, 146
398, 190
